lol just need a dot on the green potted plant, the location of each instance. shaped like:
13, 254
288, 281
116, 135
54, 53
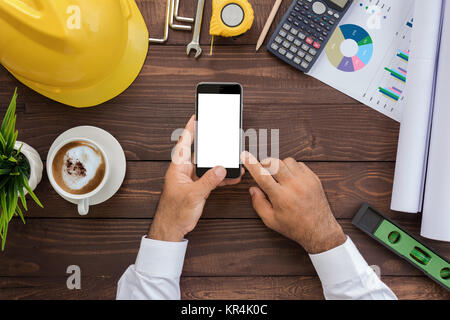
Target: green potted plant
20, 171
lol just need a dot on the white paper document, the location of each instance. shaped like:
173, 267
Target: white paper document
422, 173
367, 55
436, 206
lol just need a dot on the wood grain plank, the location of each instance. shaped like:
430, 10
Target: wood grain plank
347, 185
306, 132
45, 247
195, 288
266, 80
296, 288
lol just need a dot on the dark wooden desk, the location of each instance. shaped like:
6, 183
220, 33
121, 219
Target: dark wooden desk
231, 254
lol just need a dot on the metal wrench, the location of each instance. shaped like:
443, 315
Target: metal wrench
195, 43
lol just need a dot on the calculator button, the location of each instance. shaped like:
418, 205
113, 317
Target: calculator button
301, 54
297, 60
316, 45
304, 65
305, 47
308, 58
301, 35
293, 49
325, 33
278, 39
282, 51
297, 42
321, 39
297, 8
336, 15
290, 19
294, 31
296, 23
290, 37
312, 51
286, 26
282, 33
319, 7
330, 12
309, 40
289, 55
286, 44
274, 46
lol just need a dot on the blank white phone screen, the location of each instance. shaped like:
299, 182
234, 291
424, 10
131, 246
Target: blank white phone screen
218, 130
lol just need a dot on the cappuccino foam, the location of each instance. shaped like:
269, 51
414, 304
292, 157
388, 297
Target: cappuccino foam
78, 167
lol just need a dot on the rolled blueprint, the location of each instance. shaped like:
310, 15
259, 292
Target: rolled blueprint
436, 206
414, 129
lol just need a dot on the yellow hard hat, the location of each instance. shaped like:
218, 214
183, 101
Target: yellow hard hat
78, 52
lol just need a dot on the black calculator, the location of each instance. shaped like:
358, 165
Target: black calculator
305, 29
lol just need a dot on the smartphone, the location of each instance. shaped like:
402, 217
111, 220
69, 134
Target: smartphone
219, 125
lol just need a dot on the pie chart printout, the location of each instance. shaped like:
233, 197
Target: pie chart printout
350, 48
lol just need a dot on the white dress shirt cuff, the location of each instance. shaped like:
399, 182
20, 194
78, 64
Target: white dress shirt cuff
161, 259
339, 264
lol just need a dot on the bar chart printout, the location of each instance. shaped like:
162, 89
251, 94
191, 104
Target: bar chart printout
382, 47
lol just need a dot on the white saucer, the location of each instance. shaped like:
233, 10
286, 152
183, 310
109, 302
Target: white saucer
113, 151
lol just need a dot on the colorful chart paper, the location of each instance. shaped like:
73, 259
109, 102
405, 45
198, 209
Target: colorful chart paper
362, 56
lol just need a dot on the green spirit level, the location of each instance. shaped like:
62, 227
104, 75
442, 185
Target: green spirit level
403, 244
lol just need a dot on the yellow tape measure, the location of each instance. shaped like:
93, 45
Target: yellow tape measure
230, 18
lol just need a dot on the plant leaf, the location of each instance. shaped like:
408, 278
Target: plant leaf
4, 181
5, 231
3, 142
5, 171
15, 198
11, 110
27, 187
20, 213
3, 206
22, 196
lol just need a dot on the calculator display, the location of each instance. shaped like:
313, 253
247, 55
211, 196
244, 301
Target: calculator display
340, 3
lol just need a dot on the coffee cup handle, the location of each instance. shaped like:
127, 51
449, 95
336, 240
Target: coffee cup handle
83, 207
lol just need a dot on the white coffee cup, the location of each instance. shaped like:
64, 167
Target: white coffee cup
81, 199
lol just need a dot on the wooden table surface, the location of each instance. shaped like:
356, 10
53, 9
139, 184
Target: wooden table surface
231, 254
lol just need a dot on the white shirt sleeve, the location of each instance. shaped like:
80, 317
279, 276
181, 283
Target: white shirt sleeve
156, 273
346, 275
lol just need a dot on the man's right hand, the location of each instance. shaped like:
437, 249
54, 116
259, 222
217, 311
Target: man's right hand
298, 207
